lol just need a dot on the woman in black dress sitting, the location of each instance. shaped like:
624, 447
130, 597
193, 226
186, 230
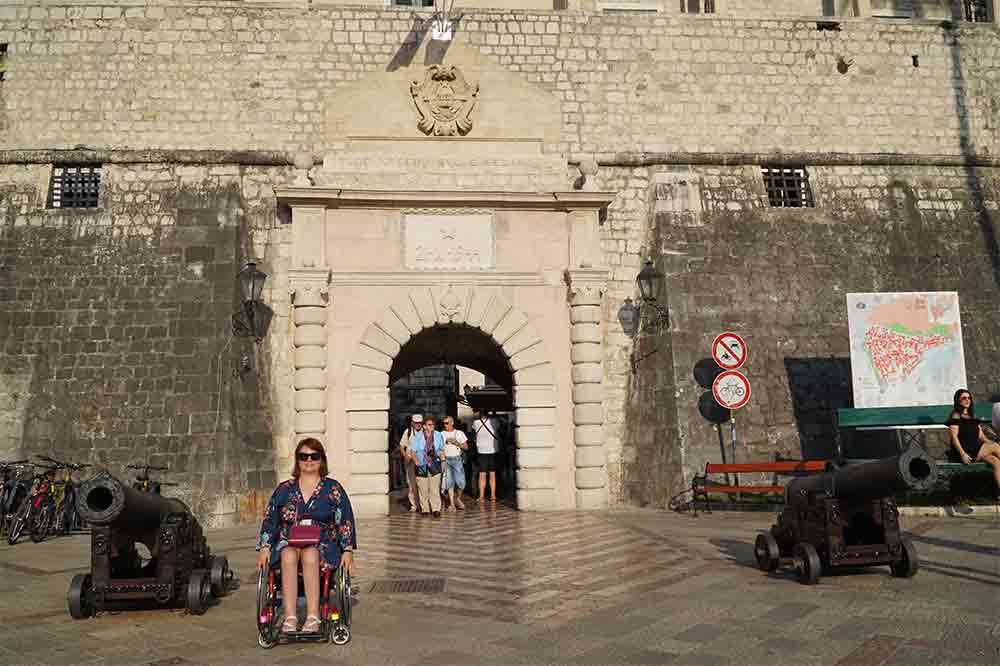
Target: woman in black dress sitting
967, 436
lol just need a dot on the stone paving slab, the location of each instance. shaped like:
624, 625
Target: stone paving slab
622, 587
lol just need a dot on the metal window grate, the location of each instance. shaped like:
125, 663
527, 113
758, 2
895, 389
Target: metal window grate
787, 187
697, 6
977, 11
411, 586
74, 186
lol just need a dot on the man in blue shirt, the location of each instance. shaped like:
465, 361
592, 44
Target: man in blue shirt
427, 454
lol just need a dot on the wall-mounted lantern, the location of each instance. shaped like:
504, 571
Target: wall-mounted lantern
254, 317
647, 319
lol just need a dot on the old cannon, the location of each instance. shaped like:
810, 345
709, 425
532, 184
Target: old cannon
180, 571
846, 517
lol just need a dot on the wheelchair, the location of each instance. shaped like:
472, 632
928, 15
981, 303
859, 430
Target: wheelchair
335, 609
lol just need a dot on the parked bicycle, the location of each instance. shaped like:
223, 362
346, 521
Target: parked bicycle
14, 487
50, 505
144, 482
57, 513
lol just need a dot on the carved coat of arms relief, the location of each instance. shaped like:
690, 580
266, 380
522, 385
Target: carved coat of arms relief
444, 101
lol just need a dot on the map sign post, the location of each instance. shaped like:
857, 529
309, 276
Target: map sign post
906, 348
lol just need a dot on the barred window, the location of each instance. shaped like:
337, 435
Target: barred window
787, 187
977, 11
75, 185
697, 6
413, 3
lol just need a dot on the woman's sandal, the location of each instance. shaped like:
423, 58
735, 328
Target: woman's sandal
290, 625
311, 625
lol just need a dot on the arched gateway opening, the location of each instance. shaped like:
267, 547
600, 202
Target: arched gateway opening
482, 330
428, 377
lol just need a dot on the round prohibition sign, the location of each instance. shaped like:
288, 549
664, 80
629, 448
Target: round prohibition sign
729, 351
731, 389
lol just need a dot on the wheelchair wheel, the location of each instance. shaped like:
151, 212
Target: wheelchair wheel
341, 634
267, 601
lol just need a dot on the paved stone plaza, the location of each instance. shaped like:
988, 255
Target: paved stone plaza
637, 587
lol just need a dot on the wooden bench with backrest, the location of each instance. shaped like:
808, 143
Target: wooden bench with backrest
701, 485
907, 423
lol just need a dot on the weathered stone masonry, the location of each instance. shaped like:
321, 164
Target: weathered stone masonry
679, 112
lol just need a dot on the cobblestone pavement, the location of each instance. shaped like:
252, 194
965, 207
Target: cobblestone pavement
622, 587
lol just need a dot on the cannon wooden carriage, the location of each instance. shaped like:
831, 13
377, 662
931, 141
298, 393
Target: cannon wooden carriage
181, 571
846, 517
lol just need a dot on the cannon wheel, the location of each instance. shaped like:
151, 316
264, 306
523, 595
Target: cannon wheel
78, 598
765, 549
808, 564
908, 563
266, 611
199, 592
219, 568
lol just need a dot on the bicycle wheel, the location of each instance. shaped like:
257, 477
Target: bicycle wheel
68, 514
20, 520
43, 521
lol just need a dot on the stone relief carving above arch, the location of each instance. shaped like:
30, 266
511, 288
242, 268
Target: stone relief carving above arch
444, 101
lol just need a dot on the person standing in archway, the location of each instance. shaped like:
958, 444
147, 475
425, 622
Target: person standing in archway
455, 442
485, 428
415, 428
427, 454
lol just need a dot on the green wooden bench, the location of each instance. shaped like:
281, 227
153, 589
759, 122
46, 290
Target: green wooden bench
904, 421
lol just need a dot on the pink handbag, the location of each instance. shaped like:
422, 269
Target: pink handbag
301, 536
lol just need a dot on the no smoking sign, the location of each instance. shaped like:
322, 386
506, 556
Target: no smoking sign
729, 351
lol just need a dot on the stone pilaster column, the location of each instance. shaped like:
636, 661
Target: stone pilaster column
309, 288
586, 289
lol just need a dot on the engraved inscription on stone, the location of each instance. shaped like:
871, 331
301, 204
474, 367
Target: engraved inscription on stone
461, 242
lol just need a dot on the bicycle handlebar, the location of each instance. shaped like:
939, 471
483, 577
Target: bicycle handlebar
147, 467
56, 464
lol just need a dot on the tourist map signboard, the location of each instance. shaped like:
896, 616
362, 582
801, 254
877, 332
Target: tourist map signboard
906, 348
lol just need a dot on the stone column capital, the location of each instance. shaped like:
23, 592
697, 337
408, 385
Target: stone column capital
309, 286
586, 285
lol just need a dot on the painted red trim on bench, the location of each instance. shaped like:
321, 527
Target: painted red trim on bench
709, 488
784, 466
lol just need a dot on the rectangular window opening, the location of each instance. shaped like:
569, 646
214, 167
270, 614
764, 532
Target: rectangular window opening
697, 6
413, 3
787, 187
75, 185
3, 61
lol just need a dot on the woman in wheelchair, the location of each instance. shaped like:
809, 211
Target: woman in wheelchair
309, 520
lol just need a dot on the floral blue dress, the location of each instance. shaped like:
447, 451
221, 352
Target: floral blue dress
328, 506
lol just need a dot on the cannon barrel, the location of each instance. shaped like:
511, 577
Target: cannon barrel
913, 469
104, 500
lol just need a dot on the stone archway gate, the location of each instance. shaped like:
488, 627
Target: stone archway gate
361, 289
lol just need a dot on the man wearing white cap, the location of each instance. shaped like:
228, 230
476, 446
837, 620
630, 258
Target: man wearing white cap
416, 426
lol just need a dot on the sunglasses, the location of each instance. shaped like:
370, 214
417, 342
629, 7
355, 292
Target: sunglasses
312, 455
966, 397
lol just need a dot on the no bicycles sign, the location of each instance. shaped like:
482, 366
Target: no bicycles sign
731, 389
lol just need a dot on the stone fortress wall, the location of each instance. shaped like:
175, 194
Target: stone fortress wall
195, 109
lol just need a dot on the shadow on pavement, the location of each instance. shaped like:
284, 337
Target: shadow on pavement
957, 545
